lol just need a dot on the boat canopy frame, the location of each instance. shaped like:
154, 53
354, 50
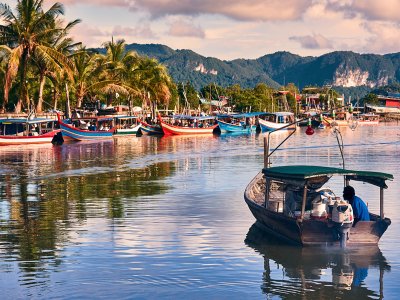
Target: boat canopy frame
305, 173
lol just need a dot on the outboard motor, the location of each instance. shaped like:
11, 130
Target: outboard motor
342, 218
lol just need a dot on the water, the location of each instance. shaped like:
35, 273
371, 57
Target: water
150, 218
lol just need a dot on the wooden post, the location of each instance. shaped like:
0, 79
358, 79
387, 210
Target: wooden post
267, 187
381, 203
303, 205
266, 152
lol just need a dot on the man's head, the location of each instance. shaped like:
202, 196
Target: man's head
348, 192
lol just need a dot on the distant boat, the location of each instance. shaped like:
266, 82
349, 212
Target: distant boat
126, 125
243, 123
368, 119
148, 129
88, 128
272, 121
185, 125
19, 131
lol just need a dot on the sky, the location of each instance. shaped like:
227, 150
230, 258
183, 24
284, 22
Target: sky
231, 29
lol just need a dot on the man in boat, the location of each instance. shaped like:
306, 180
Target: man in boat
360, 209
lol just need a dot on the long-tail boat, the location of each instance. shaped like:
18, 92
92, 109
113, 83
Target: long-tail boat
292, 202
277, 120
148, 129
89, 128
186, 125
18, 131
281, 199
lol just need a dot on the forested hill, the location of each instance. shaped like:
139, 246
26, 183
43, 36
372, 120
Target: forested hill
342, 69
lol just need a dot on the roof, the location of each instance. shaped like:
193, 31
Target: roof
187, 117
241, 115
26, 121
281, 113
303, 173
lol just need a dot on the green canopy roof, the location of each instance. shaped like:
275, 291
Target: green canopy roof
304, 173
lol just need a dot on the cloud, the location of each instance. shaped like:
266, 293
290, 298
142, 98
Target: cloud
185, 29
244, 10
143, 31
315, 41
387, 10
94, 36
384, 37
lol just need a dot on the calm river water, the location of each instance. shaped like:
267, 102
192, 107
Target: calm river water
151, 218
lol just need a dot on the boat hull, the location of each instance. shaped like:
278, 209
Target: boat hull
227, 127
148, 129
70, 133
269, 126
177, 130
22, 140
309, 232
127, 131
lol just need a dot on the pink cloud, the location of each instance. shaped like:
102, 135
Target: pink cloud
386, 10
182, 28
314, 41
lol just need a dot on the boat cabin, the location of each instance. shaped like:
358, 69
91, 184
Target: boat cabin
27, 127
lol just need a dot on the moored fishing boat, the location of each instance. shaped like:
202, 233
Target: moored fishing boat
368, 119
239, 123
148, 129
186, 125
18, 131
84, 129
126, 125
277, 120
281, 199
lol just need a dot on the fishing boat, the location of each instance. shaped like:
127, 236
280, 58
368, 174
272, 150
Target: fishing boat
126, 125
149, 129
87, 128
187, 125
368, 119
277, 120
287, 201
17, 131
239, 123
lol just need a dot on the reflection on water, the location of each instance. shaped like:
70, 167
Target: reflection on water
317, 273
164, 217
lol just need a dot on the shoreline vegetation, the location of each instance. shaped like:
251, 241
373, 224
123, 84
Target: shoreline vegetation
43, 69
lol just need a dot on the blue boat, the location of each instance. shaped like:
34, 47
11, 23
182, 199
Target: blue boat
243, 123
82, 130
274, 121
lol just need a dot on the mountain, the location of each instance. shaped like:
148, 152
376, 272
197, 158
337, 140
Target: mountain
349, 71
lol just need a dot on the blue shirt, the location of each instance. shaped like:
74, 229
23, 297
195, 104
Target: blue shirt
360, 209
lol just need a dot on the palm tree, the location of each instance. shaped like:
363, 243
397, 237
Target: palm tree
25, 33
61, 43
154, 79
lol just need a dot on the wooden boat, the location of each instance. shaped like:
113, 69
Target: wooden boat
88, 128
148, 129
186, 125
126, 125
368, 119
19, 131
283, 207
273, 121
239, 123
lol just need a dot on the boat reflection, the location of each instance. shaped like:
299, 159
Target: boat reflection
316, 272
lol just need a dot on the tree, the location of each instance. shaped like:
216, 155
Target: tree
25, 34
60, 42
